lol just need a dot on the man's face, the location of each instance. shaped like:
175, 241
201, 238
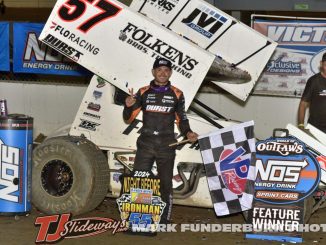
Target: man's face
323, 66
162, 74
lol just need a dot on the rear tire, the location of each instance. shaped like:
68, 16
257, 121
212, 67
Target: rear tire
70, 175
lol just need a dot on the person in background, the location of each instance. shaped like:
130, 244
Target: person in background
314, 97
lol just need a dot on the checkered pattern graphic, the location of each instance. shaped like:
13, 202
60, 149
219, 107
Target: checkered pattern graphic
213, 146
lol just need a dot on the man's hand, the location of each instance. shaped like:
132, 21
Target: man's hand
130, 100
192, 137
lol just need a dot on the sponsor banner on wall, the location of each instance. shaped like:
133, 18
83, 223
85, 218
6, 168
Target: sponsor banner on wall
4, 46
32, 56
286, 175
297, 57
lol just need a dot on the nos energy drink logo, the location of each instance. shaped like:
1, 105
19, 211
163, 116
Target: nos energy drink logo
205, 21
234, 169
9, 173
286, 171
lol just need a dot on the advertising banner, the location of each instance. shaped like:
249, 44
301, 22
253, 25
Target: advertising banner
4, 47
297, 57
287, 174
32, 56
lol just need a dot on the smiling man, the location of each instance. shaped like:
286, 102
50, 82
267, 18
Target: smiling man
162, 105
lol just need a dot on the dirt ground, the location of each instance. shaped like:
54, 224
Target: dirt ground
21, 230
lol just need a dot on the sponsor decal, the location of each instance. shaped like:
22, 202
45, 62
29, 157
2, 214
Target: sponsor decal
167, 101
88, 125
74, 38
94, 107
205, 21
97, 94
157, 108
87, 114
234, 168
140, 204
146, 42
281, 67
59, 45
65, 227
164, 5
10, 171
168, 97
100, 82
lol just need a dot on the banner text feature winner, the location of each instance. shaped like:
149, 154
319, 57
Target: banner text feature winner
120, 45
32, 56
301, 46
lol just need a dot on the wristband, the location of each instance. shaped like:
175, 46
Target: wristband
301, 125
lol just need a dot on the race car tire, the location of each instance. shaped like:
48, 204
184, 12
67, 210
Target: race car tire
69, 175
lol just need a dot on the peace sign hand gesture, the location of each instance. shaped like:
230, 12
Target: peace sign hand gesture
130, 100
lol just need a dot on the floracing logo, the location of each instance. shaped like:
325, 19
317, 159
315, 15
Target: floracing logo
234, 169
9, 173
65, 227
147, 43
205, 20
75, 39
279, 66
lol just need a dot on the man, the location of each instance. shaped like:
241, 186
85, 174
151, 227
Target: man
162, 104
314, 96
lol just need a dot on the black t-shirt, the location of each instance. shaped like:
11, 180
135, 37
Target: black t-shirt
315, 94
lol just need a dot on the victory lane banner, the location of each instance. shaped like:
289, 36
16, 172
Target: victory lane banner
4, 47
229, 157
140, 204
297, 57
121, 46
32, 56
286, 175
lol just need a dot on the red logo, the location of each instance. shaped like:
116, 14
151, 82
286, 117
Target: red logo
54, 228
